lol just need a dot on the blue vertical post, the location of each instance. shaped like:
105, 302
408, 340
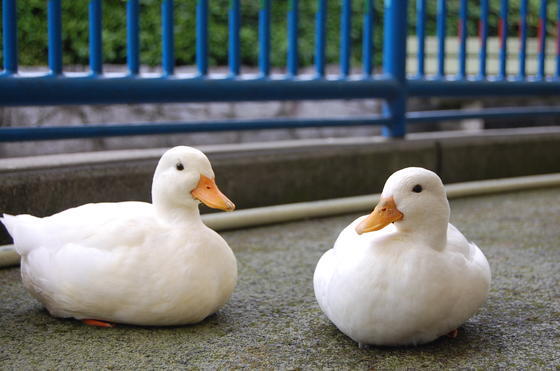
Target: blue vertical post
9, 31
502, 34
463, 33
293, 23
167, 27
557, 73
55, 37
523, 40
234, 24
320, 37
421, 35
541, 53
345, 37
264, 38
202, 37
394, 63
367, 43
9, 28
95, 38
441, 28
132, 37
483, 36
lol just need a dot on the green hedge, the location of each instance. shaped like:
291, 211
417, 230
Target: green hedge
32, 30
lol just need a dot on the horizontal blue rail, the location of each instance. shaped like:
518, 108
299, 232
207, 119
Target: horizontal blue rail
23, 91
390, 84
487, 113
94, 131
44, 133
481, 88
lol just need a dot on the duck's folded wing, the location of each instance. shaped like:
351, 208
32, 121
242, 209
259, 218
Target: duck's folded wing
458, 243
102, 225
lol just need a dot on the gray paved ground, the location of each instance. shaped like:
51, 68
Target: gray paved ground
273, 320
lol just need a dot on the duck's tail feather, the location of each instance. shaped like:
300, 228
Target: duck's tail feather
8, 221
23, 229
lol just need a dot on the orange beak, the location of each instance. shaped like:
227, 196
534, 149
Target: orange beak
208, 193
384, 213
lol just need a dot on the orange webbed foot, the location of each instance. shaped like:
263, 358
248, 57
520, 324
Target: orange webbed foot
453, 334
98, 323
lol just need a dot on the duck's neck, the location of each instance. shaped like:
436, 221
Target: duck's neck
429, 230
175, 214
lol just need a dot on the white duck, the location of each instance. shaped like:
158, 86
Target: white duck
133, 262
409, 282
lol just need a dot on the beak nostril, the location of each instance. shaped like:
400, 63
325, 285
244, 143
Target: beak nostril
384, 209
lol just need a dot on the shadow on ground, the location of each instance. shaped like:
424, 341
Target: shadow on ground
273, 321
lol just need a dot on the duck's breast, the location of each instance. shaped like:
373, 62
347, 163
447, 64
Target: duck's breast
394, 292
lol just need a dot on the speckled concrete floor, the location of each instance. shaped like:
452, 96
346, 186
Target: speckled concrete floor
273, 321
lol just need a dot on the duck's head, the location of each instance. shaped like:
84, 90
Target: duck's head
184, 178
414, 199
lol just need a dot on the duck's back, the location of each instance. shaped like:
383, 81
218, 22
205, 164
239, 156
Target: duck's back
101, 225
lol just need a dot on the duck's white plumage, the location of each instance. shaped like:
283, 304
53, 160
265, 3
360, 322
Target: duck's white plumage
132, 262
410, 282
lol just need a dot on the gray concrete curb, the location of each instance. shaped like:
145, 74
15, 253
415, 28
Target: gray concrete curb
313, 209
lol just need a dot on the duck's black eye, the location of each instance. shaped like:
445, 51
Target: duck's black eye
417, 188
179, 166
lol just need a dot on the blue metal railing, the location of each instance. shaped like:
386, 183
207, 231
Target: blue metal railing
202, 37
320, 38
421, 35
502, 34
293, 50
264, 38
367, 39
95, 38
483, 35
462, 31
557, 73
441, 32
168, 40
9, 24
523, 40
345, 37
392, 84
133, 37
55, 37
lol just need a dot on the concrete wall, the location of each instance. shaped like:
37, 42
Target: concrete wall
255, 175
